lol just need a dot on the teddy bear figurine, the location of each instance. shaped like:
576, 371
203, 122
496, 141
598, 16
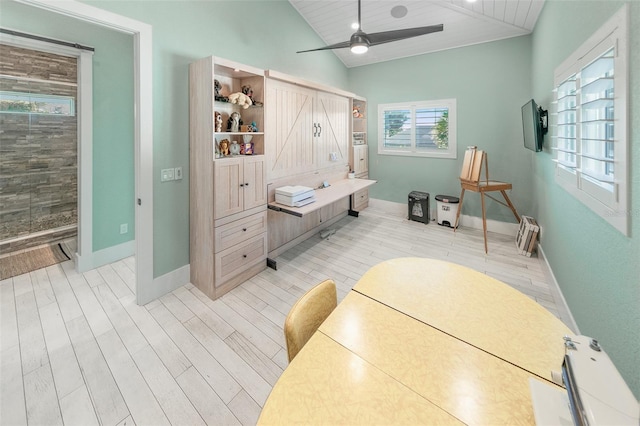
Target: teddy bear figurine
224, 148
241, 99
216, 91
234, 122
218, 122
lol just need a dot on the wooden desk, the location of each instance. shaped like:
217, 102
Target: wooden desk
325, 196
379, 358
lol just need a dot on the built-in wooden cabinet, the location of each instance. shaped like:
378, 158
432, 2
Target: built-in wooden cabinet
360, 160
359, 156
308, 130
228, 193
240, 184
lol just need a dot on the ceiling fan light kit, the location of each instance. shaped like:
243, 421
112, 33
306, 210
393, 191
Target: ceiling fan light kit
361, 41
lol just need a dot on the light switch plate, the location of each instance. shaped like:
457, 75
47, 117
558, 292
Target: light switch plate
166, 175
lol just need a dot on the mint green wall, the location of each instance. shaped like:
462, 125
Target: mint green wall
490, 83
113, 169
183, 31
596, 266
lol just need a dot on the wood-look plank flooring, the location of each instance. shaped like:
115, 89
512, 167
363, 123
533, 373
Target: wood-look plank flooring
76, 349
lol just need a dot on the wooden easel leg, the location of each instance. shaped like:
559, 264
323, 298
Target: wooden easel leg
484, 222
455, 225
511, 206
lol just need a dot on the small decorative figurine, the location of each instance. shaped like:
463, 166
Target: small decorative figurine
234, 122
241, 99
356, 112
224, 147
248, 148
234, 148
218, 122
217, 149
247, 90
216, 90
253, 127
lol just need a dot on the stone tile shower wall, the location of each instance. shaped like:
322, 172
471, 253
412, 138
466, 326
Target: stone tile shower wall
38, 152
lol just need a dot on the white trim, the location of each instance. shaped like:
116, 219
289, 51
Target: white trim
85, 156
504, 228
167, 283
105, 256
143, 86
555, 287
401, 210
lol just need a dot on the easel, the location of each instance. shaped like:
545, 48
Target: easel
470, 180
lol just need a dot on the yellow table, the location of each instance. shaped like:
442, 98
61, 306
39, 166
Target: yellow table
421, 341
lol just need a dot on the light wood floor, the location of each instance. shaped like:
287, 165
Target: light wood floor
76, 349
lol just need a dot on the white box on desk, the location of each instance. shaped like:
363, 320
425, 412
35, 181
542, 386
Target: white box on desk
294, 195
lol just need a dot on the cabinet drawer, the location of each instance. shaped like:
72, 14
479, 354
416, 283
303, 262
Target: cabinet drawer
233, 233
234, 260
361, 199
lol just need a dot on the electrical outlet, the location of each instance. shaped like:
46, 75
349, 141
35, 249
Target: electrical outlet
166, 175
178, 173
124, 228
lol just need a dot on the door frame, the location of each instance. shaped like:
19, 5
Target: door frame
143, 110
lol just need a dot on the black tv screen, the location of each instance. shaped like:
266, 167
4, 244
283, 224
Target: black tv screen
533, 127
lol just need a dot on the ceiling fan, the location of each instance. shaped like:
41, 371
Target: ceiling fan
361, 41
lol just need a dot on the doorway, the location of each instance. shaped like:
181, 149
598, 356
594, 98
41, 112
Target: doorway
38, 141
142, 46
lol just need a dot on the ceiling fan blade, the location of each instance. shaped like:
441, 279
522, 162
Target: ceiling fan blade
395, 35
340, 45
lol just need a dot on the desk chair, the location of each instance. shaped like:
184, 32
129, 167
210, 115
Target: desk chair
470, 180
307, 314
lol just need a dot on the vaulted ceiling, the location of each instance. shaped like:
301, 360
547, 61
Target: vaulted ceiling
465, 23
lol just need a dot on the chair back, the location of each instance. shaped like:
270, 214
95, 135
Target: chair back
307, 314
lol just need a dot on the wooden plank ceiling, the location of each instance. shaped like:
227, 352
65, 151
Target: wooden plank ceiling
465, 23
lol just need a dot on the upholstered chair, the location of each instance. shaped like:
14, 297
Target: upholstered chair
307, 314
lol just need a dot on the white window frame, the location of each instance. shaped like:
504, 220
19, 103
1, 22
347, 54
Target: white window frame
612, 206
413, 151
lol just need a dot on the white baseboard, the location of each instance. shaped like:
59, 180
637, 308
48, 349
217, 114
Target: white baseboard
165, 284
105, 256
401, 210
557, 291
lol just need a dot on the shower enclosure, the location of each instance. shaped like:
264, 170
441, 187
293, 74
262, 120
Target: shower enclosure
38, 148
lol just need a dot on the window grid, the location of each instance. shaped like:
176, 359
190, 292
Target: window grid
590, 132
421, 129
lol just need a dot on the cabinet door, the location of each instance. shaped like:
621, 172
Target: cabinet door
227, 193
333, 116
289, 129
360, 159
255, 184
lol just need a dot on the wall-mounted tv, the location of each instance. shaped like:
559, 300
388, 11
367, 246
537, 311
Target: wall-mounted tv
534, 125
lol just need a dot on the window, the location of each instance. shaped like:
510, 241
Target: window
34, 103
590, 140
420, 129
